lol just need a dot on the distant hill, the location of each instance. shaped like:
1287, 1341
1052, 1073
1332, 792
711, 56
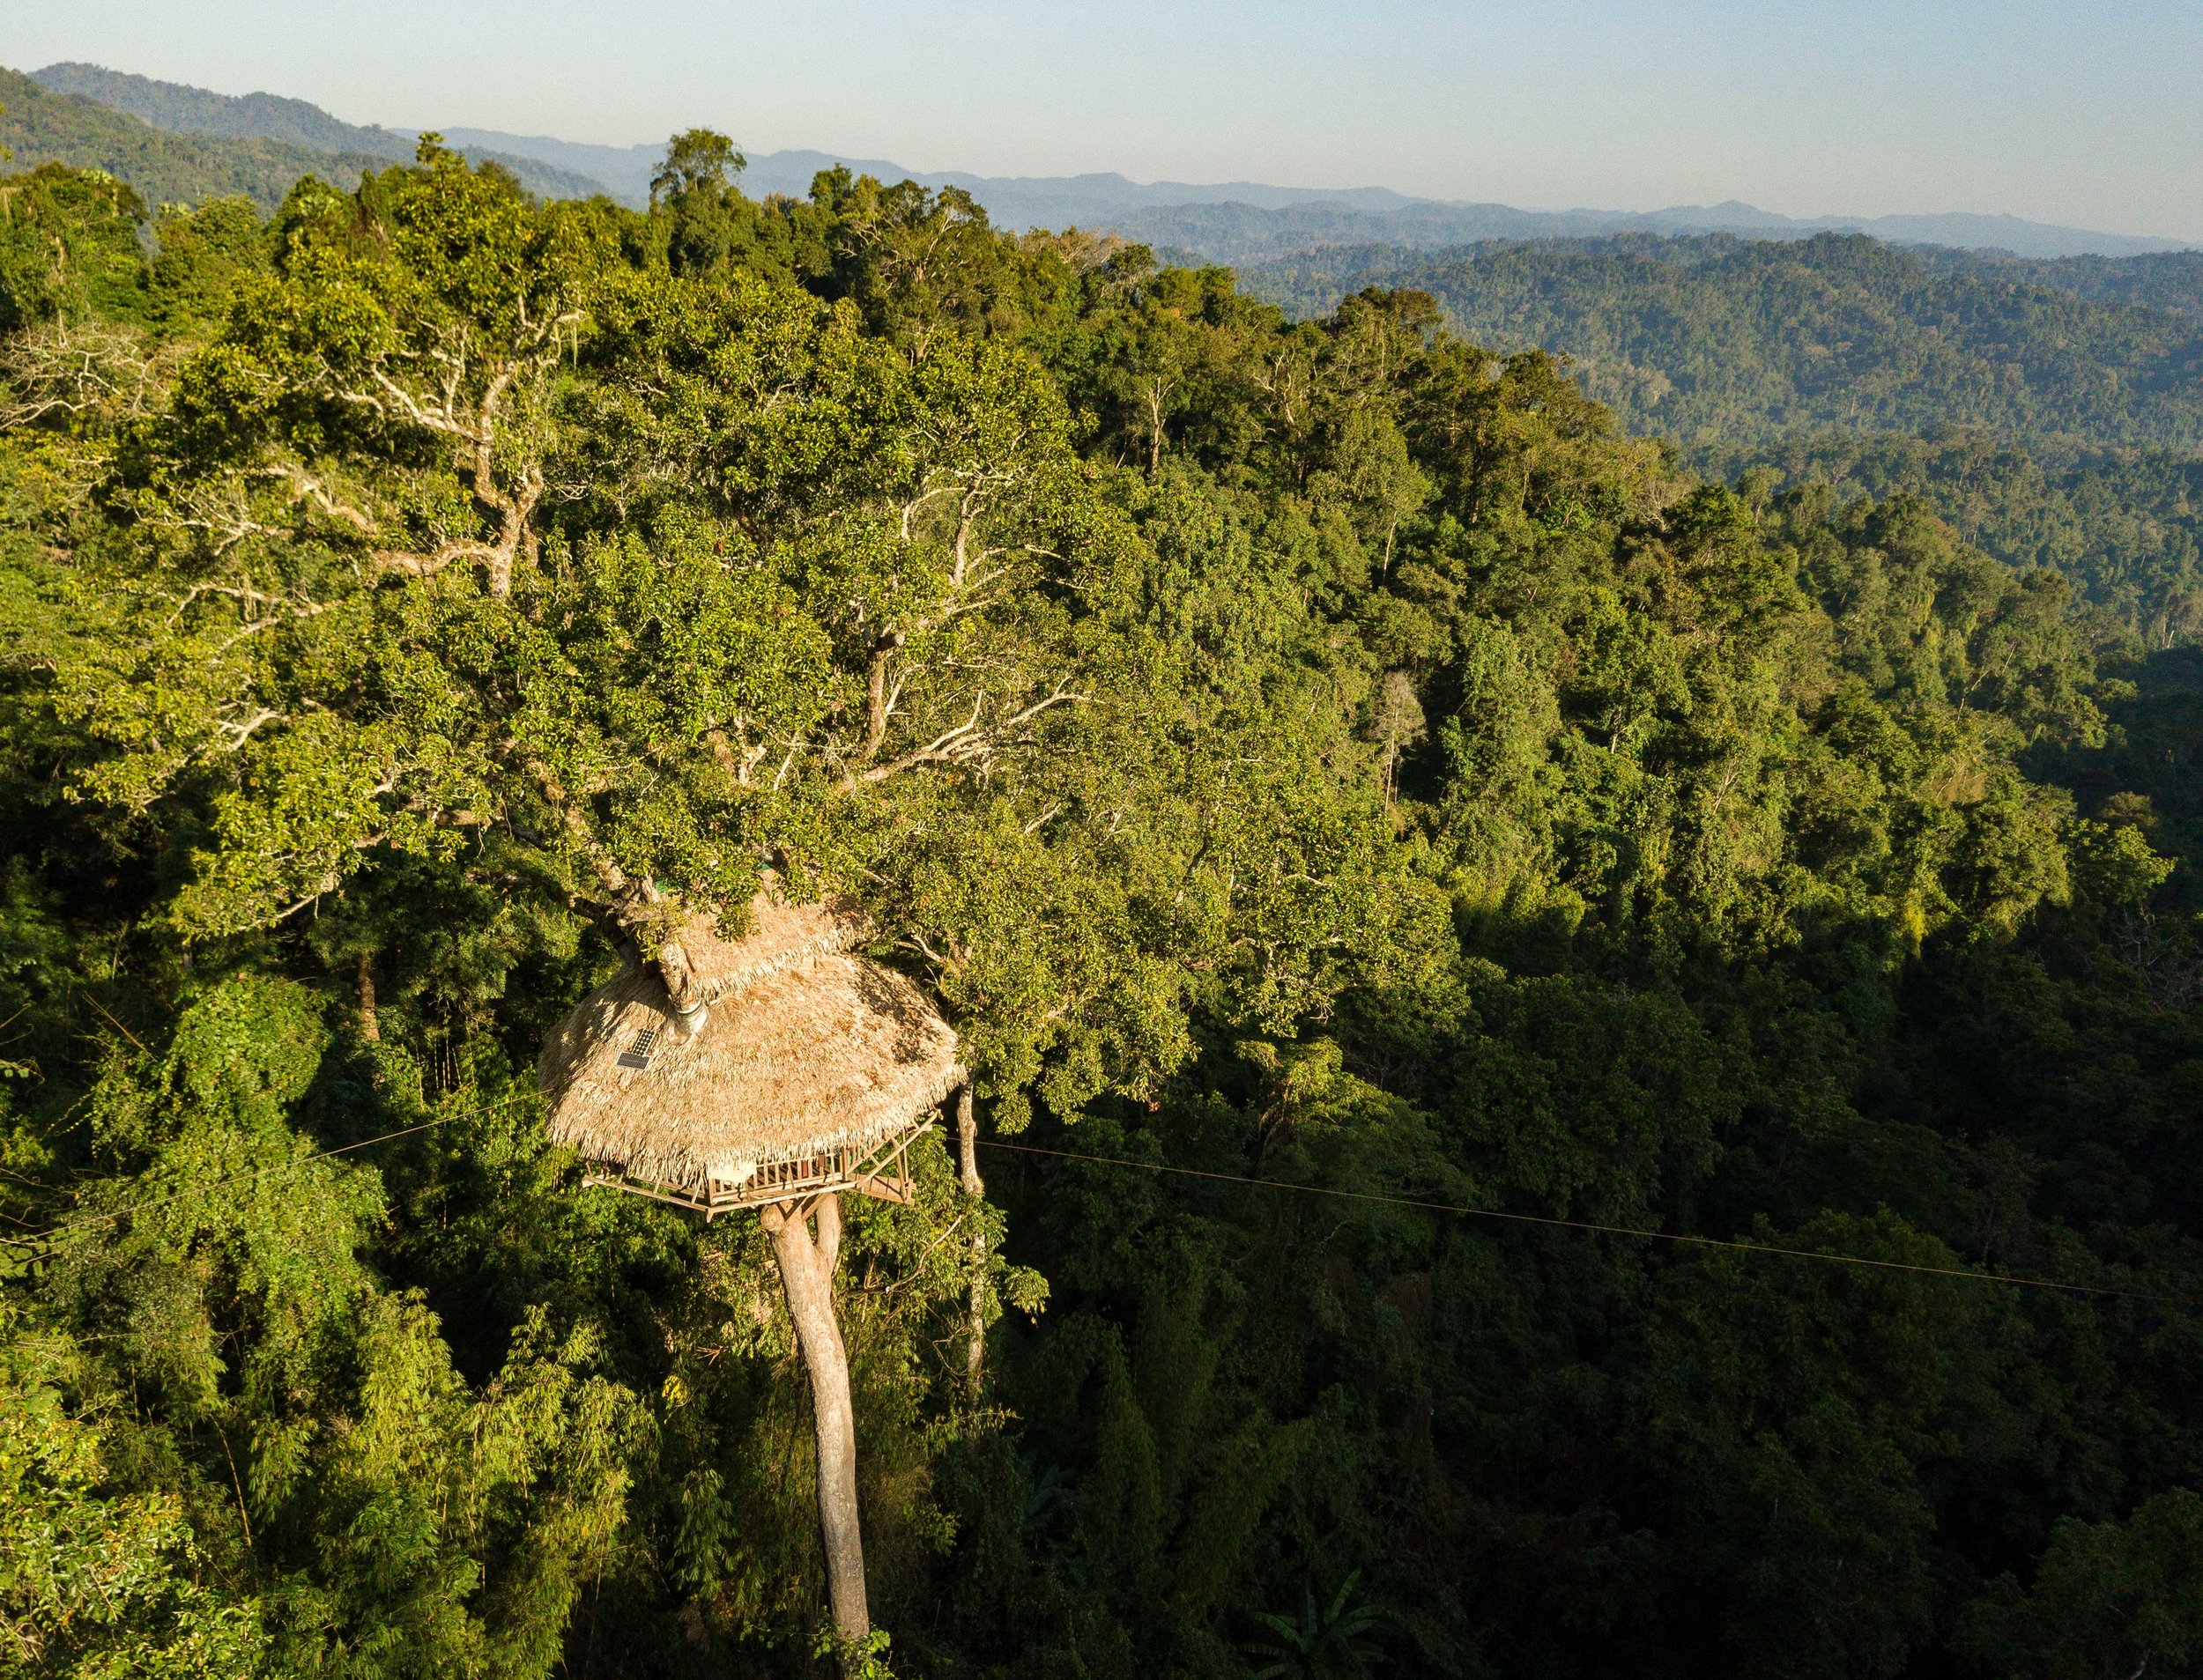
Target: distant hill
1233, 221
2167, 280
1240, 221
42, 127
626, 170
1238, 232
1101, 201
1719, 342
176, 108
181, 109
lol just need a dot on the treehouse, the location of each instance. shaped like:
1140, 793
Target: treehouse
736, 1073
772, 1071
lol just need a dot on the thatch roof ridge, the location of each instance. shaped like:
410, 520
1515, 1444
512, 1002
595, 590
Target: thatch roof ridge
783, 935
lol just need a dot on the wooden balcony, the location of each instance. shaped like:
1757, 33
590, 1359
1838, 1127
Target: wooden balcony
882, 1172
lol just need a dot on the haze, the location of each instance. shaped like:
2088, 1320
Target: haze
2079, 114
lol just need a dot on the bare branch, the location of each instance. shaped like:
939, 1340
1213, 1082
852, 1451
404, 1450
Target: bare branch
79, 369
235, 735
967, 743
306, 487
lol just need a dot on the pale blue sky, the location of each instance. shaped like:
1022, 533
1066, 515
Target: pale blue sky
2089, 113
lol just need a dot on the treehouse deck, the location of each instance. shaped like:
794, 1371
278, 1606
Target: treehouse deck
882, 1172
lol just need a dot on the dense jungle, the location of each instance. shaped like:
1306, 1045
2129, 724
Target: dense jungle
1322, 752
2045, 409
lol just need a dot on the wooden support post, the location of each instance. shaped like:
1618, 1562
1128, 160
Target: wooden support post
807, 1275
975, 1188
370, 1026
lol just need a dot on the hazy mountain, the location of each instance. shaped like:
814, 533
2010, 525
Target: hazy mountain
176, 108
1237, 221
1012, 201
1233, 221
624, 170
1243, 233
2011, 234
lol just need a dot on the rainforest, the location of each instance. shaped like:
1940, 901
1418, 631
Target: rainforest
1587, 1056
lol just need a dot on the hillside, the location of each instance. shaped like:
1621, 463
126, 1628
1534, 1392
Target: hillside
42, 127
2125, 526
257, 142
180, 108
1225, 229
2169, 280
2048, 409
1240, 221
1717, 341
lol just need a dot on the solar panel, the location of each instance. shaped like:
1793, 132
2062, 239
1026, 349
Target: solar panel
638, 1053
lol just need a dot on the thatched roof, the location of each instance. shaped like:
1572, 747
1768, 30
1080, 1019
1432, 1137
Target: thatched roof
782, 936
805, 1050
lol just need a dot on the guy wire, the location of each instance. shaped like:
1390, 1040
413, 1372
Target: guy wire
1586, 1224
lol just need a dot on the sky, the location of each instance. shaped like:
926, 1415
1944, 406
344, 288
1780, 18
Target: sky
2085, 113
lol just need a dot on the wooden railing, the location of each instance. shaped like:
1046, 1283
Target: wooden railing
881, 1172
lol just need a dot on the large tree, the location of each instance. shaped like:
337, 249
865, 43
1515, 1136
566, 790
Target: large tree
471, 539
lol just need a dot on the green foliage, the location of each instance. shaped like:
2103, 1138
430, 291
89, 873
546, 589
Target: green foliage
93, 1583
2112, 1598
2123, 526
69, 249
2029, 402
1322, 753
2167, 280
1321, 1641
1716, 341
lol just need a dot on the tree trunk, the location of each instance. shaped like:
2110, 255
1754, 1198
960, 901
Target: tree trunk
975, 1188
370, 1026
806, 1274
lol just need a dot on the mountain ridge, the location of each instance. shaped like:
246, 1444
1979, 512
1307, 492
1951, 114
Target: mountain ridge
38, 127
178, 109
1222, 221
1364, 215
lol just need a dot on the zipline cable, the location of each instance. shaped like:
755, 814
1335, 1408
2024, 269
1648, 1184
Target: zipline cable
39, 1238
1585, 1225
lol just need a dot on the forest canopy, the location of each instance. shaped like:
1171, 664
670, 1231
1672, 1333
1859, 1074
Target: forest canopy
1324, 752
2047, 409
1713, 339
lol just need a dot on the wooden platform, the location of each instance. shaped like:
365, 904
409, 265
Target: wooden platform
882, 1172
